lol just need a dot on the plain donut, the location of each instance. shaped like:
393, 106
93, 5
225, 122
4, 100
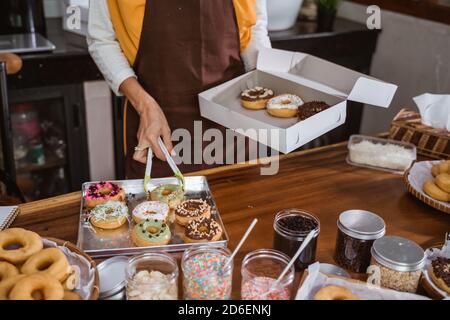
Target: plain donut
49, 287
7, 285
29, 243
7, 270
335, 293
51, 261
431, 189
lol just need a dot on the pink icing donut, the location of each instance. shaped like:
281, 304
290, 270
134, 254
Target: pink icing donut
103, 192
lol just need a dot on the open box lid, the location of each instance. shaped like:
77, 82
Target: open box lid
326, 76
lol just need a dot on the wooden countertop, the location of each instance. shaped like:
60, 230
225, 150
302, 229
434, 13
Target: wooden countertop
317, 180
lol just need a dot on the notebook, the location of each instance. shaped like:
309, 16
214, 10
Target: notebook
7, 216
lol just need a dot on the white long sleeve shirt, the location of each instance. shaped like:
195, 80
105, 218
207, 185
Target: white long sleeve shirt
110, 59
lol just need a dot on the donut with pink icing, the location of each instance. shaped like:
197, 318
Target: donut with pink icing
103, 192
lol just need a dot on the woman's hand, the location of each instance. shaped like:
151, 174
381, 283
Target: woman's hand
153, 123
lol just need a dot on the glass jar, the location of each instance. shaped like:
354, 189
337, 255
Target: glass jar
152, 276
260, 270
357, 230
204, 276
397, 263
291, 227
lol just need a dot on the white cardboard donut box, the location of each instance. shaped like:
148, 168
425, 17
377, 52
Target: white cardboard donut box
298, 73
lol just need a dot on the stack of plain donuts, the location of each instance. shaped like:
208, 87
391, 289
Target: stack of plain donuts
28, 271
439, 187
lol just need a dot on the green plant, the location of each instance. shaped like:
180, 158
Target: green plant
329, 4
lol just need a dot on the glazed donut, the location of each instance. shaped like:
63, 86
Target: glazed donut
109, 215
70, 295
7, 270
202, 230
149, 210
256, 98
443, 181
284, 106
151, 233
102, 192
192, 209
49, 287
171, 194
50, 261
7, 285
441, 167
335, 293
28, 244
431, 189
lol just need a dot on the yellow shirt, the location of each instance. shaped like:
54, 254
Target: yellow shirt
128, 31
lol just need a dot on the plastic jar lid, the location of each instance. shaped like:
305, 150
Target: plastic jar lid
361, 224
112, 276
398, 254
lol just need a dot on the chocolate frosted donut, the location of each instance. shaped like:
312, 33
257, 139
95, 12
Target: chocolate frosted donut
440, 273
309, 109
202, 230
191, 209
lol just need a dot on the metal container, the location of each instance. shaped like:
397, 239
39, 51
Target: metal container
106, 243
112, 273
398, 254
399, 263
357, 230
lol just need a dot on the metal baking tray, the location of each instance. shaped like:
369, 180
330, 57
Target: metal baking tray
107, 243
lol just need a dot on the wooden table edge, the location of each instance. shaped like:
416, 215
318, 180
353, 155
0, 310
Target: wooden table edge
74, 197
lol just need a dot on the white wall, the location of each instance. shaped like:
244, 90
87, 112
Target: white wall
53, 8
412, 53
99, 123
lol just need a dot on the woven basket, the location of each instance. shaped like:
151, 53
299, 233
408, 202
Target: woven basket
96, 287
432, 203
430, 142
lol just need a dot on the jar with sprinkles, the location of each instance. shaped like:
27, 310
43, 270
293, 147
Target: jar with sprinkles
260, 270
204, 275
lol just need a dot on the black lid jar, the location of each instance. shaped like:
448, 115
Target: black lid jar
291, 227
357, 230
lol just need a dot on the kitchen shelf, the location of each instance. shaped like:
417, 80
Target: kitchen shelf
51, 164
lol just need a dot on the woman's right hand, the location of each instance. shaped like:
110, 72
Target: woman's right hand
153, 123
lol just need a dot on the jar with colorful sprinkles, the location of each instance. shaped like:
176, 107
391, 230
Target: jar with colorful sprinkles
260, 271
204, 275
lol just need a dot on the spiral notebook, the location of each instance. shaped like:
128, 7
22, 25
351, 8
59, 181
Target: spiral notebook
7, 216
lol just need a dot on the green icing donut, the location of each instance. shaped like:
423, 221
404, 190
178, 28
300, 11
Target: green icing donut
153, 231
172, 194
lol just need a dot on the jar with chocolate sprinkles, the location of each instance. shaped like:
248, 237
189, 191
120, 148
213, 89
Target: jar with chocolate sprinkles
291, 227
357, 231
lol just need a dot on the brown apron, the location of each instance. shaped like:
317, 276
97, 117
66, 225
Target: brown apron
186, 47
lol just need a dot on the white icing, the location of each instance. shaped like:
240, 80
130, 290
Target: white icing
285, 101
143, 210
266, 93
109, 211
